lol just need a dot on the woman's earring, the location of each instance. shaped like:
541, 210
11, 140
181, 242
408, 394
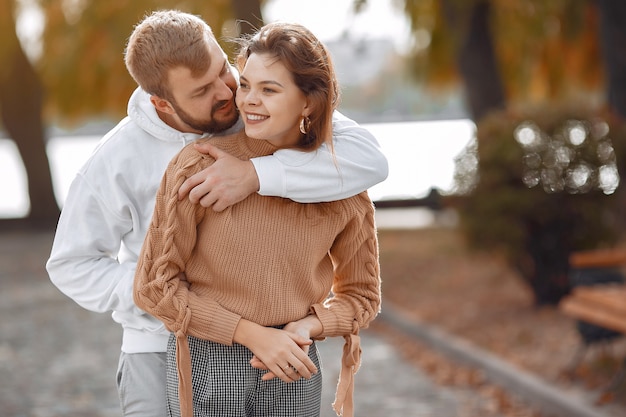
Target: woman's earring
305, 125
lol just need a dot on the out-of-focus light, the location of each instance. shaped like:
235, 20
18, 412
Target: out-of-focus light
579, 176
608, 178
527, 134
421, 39
565, 161
576, 133
599, 129
605, 151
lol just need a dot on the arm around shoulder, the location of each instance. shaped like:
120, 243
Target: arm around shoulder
357, 164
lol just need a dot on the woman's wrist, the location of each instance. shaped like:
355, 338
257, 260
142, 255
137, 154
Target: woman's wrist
313, 324
244, 332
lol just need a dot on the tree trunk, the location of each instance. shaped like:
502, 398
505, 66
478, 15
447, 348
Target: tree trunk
476, 58
21, 111
549, 248
248, 15
613, 39
613, 46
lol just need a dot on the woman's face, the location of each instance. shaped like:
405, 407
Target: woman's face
270, 103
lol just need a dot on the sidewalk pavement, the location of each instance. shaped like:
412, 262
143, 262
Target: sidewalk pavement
57, 359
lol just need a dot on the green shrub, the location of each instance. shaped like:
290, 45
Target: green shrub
538, 186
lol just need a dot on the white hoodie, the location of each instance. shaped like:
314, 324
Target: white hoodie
110, 202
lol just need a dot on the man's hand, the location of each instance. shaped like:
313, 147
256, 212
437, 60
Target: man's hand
228, 181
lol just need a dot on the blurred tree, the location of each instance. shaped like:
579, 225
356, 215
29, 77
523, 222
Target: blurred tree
613, 35
511, 56
506, 53
545, 189
82, 73
82, 66
21, 97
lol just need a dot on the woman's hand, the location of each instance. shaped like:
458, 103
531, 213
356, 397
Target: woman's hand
302, 330
279, 351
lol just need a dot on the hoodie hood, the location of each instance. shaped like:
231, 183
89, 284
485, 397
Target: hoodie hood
142, 112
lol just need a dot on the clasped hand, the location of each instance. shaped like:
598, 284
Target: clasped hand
285, 353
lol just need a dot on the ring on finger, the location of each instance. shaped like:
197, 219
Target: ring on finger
289, 368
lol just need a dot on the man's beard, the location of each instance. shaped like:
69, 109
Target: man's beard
210, 126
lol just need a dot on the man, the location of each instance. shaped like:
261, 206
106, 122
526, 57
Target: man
186, 91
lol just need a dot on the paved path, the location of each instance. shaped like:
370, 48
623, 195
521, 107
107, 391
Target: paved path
386, 386
57, 359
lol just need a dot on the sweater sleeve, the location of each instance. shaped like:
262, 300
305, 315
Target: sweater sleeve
160, 286
358, 163
356, 287
356, 295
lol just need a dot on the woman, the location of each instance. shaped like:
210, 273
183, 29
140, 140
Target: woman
247, 290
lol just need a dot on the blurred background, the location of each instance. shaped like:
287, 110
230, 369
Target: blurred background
505, 118
370, 43
535, 91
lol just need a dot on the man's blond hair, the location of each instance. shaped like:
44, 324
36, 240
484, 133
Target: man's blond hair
165, 40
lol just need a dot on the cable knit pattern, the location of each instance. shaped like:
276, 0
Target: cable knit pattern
266, 259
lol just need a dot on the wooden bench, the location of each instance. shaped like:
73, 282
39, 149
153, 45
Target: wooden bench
603, 304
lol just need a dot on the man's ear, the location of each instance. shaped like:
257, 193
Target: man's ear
162, 105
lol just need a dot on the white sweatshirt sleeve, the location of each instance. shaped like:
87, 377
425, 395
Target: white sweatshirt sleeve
309, 177
83, 262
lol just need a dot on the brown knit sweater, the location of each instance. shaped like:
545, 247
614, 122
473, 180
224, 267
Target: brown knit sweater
266, 259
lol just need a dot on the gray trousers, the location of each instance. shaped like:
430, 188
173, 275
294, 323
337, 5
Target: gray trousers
141, 381
226, 385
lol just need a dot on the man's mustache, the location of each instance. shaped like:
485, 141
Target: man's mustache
220, 104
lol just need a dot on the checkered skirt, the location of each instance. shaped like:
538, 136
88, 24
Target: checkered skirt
225, 385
